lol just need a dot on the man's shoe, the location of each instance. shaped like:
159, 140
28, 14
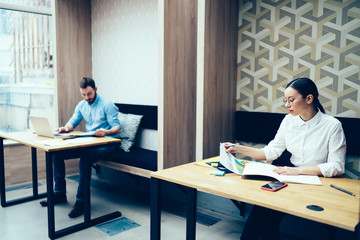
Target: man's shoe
77, 210
58, 198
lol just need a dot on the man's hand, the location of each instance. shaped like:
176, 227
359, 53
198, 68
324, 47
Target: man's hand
63, 130
100, 132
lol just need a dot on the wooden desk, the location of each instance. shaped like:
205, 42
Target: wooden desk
340, 209
33, 141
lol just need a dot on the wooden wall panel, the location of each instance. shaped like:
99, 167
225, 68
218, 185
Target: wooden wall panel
220, 50
179, 82
18, 165
73, 52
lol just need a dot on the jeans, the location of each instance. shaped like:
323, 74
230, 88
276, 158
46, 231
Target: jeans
92, 156
264, 223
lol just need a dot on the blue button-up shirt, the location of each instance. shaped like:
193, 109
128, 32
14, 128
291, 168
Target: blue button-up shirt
100, 114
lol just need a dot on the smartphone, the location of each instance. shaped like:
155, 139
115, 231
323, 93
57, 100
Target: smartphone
274, 186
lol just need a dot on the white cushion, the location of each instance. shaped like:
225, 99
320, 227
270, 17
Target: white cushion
129, 124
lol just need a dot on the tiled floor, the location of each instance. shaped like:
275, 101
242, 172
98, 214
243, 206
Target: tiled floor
29, 220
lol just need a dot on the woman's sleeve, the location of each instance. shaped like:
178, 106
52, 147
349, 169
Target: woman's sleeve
335, 164
276, 146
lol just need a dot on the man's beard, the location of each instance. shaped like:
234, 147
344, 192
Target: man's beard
91, 100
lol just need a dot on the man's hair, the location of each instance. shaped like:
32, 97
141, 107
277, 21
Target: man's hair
86, 81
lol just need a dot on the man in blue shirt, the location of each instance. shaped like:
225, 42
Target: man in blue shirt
101, 116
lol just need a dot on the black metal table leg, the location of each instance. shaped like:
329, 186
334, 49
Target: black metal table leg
155, 217
240, 206
332, 232
35, 195
2, 173
34, 172
50, 195
191, 213
357, 232
88, 222
87, 175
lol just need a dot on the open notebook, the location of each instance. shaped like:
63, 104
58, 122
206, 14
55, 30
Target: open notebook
247, 169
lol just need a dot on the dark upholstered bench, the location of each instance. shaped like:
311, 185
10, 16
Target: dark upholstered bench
138, 161
261, 127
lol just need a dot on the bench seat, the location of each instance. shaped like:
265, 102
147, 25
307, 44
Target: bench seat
137, 157
138, 161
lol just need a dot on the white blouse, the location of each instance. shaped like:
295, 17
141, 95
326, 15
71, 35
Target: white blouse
317, 142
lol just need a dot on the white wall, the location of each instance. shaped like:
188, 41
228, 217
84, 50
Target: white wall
125, 50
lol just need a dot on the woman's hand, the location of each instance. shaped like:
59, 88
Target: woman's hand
299, 170
288, 170
231, 147
248, 151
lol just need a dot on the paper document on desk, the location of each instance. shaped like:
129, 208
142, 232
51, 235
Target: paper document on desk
263, 169
85, 134
230, 162
75, 135
62, 142
245, 168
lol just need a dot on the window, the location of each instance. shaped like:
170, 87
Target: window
26, 63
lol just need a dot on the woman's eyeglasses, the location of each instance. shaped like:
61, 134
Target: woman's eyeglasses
289, 101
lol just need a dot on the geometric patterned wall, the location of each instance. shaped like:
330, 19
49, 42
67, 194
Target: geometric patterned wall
280, 40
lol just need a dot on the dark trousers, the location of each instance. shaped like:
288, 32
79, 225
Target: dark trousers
59, 168
264, 223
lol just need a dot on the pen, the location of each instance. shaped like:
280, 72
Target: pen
233, 144
343, 190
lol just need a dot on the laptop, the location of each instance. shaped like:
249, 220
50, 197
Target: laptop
42, 127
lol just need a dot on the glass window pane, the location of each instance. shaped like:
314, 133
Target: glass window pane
41, 4
26, 69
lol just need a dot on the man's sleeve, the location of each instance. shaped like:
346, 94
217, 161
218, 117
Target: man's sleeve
76, 117
112, 115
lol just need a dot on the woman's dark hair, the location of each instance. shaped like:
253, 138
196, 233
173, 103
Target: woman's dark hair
85, 82
306, 86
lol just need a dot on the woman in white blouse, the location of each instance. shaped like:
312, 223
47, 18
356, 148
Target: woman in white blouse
315, 140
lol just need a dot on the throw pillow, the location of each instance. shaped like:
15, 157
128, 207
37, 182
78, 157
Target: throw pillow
129, 126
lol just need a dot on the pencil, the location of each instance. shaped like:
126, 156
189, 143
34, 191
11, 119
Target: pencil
343, 190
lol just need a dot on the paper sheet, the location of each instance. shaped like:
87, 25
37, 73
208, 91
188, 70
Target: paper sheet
263, 169
230, 162
62, 142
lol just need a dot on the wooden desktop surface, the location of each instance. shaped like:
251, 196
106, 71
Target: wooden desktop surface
30, 139
340, 209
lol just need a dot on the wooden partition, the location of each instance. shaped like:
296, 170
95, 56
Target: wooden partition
73, 53
177, 118
72, 58
18, 165
219, 82
197, 79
